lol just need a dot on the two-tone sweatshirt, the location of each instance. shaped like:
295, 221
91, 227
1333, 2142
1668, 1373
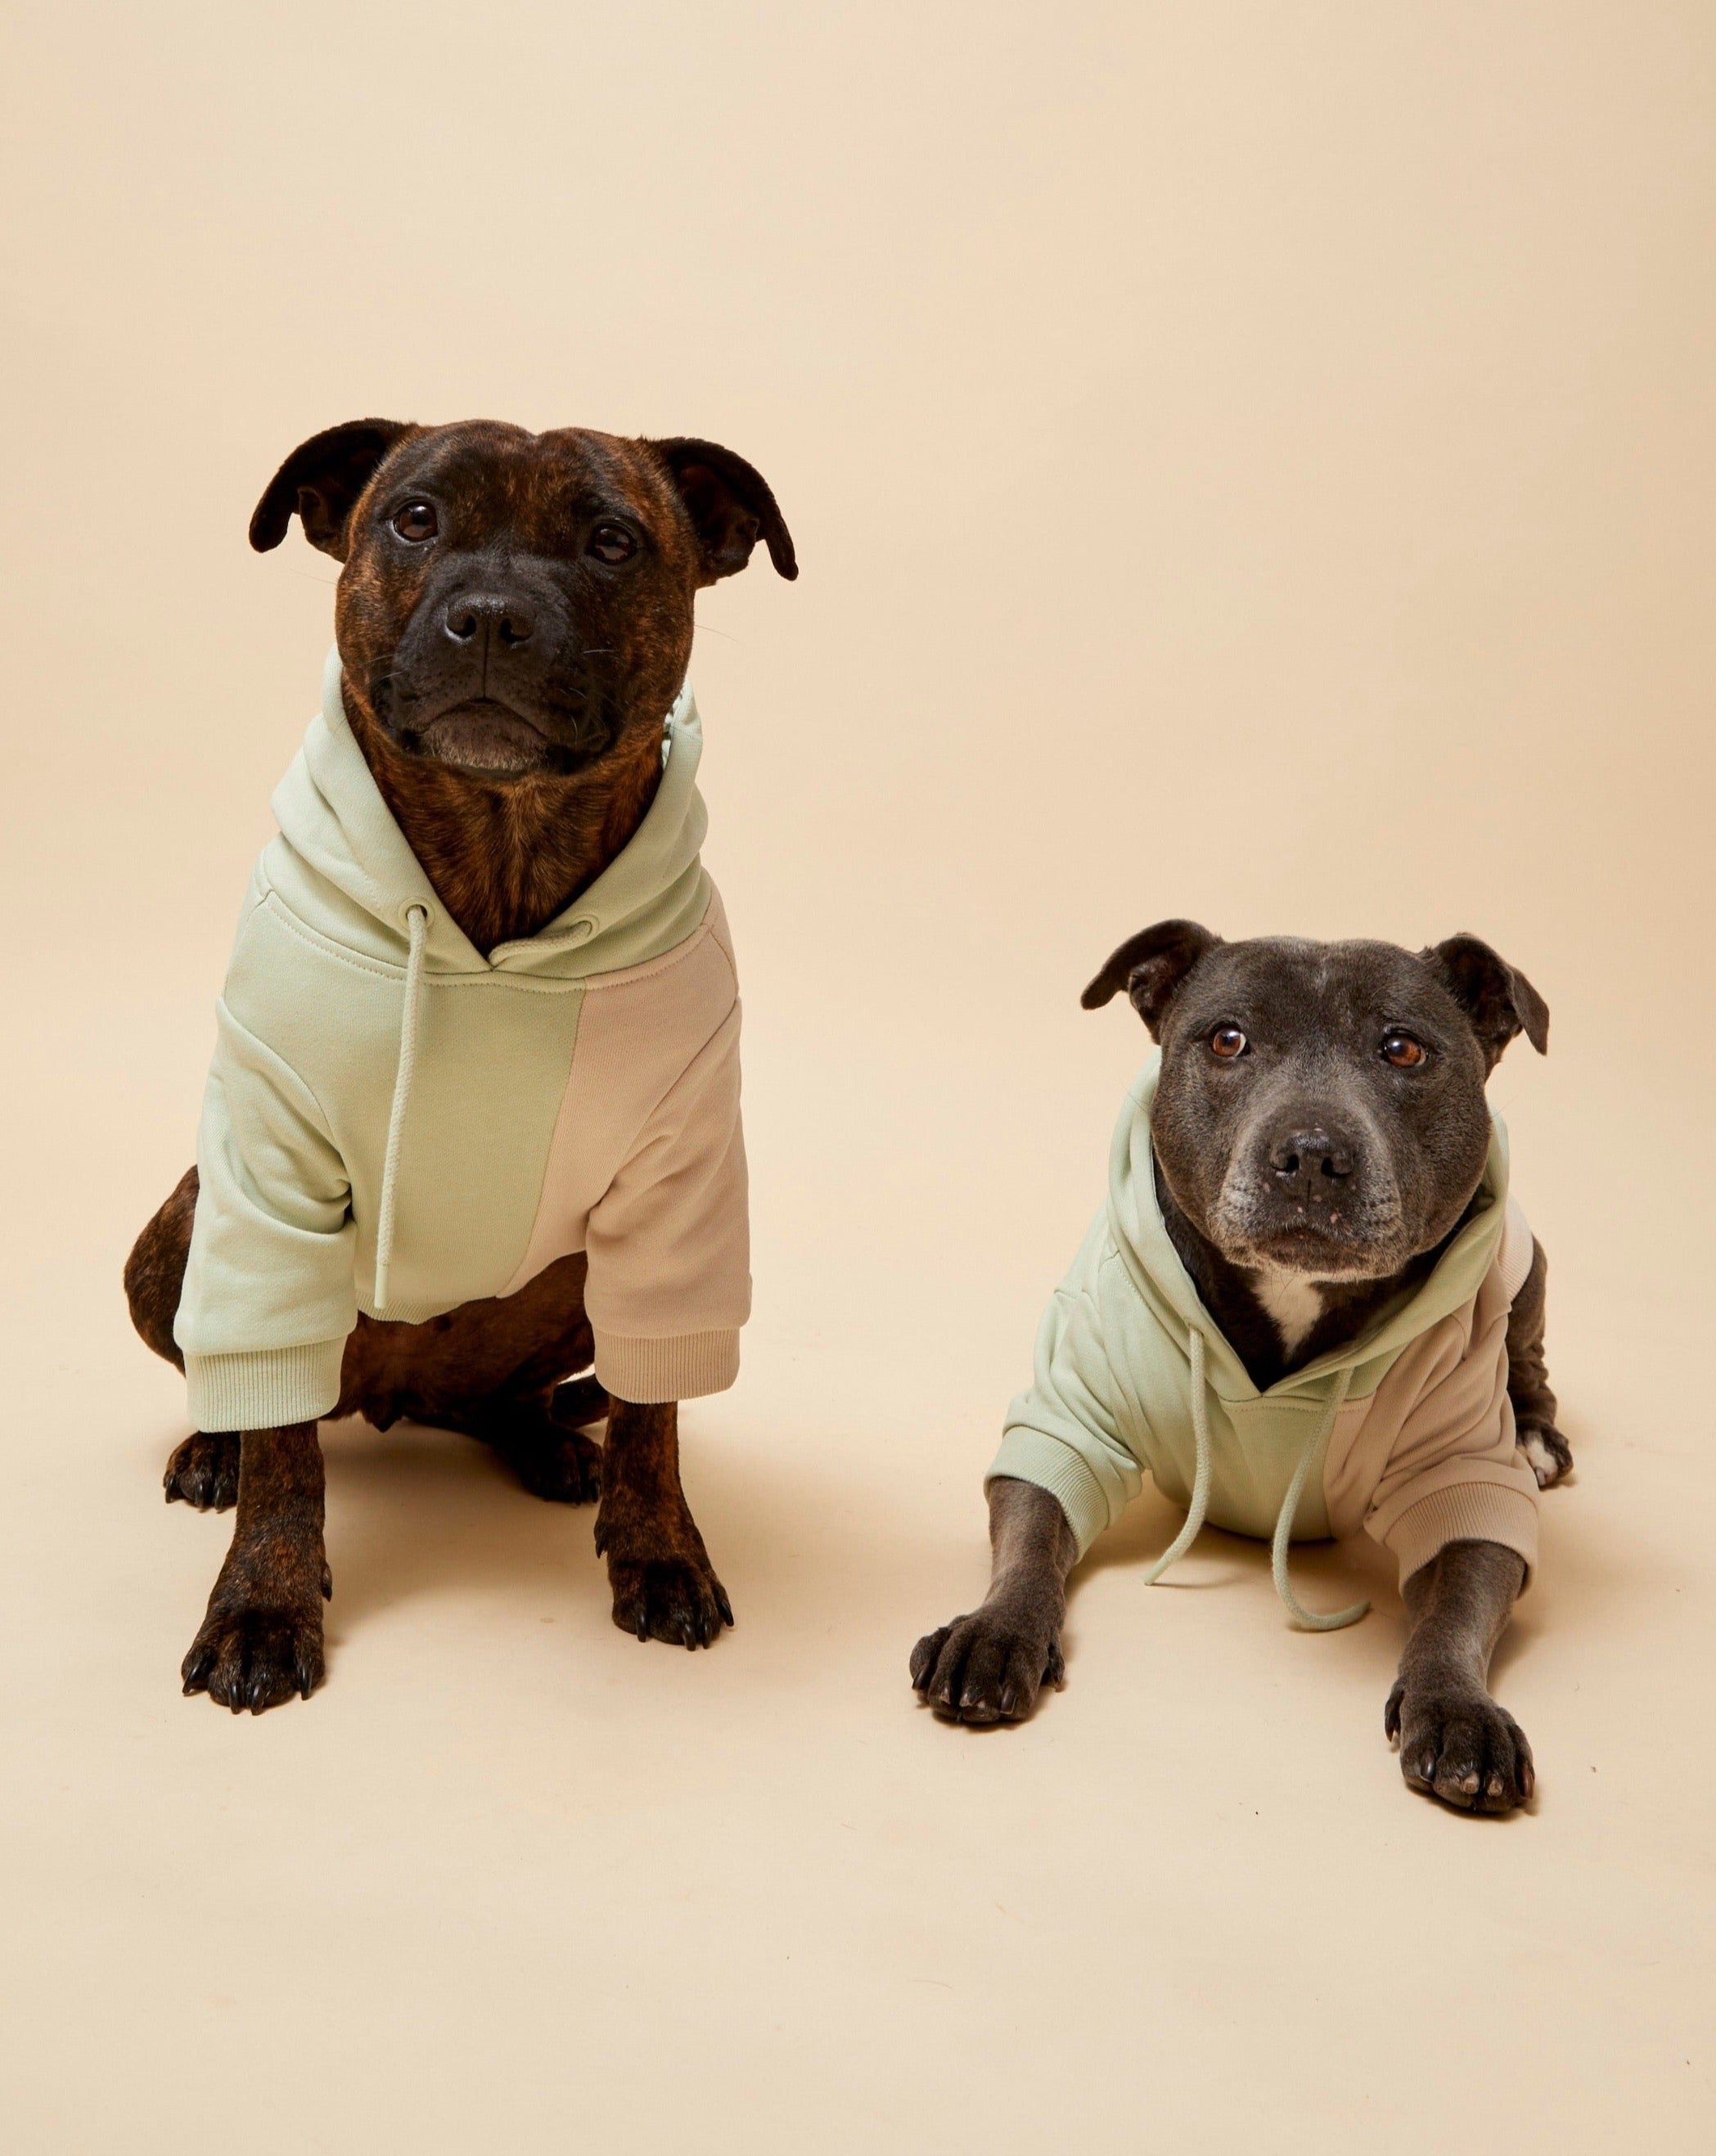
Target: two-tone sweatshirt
397, 1123
1405, 1432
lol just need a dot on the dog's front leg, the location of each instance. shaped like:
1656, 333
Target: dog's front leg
664, 1587
989, 1667
1456, 1743
261, 1640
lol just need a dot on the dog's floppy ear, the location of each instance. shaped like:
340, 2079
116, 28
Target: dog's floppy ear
730, 503
1150, 966
1499, 1001
320, 482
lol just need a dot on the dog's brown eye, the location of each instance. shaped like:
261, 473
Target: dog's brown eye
417, 521
1227, 1041
1400, 1049
612, 542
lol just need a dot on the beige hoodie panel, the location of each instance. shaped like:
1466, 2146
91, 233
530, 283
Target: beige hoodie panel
1429, 1458
1513, 1258
646, 1172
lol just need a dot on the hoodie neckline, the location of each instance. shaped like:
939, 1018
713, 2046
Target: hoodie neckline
332, 812
1141, 1235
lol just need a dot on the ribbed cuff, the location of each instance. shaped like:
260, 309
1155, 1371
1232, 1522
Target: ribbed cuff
1467, 1512
265, 1389
684, 1367
1028, 1456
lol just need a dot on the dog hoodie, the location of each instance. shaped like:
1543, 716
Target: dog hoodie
1406, 1432
397, 1124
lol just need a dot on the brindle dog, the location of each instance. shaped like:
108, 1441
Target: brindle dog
514, 617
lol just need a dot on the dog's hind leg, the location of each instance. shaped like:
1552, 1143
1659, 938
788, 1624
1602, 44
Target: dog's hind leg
203, 1470
502, 1370
1542, 1446
541, 1439
154, 1270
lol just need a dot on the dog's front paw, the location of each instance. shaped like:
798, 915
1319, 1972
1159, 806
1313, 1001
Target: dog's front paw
987, 1666
255, 1657
1546, 1452
203, 1472
1461, 1748
676, 1600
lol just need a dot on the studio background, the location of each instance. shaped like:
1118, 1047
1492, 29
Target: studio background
1256, 463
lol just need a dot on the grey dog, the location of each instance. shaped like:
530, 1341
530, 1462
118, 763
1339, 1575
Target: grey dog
1318, 1141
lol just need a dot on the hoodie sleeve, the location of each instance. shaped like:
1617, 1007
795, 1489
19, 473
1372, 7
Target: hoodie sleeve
669, 1242
269, 1297
1430, 1458
1066, 1432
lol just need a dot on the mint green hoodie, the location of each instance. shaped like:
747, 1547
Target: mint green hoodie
397, 1124
1407, 1432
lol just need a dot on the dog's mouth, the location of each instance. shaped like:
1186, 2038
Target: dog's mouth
483, 736
1350, 1238
1318, 1253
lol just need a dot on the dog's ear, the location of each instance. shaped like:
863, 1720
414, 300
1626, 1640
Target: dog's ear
320, 482
731, 505
1499, 1001
1150, 966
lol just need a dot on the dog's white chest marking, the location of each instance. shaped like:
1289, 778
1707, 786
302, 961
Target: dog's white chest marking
1294, 1304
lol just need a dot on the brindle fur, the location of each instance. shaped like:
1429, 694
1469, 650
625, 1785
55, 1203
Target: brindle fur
506, 855
261, 1640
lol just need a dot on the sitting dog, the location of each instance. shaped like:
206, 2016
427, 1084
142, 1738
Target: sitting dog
472, 1124
1307, 1306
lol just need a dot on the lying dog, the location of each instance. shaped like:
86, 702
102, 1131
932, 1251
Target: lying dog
1308, 1306
472, 1124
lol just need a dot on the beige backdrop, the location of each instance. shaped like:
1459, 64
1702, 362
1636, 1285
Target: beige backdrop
1251, 462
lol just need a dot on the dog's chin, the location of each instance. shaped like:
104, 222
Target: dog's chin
1313, 1253
486, 739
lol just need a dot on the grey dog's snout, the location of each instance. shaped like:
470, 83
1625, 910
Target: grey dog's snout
489, 621
1310, 1163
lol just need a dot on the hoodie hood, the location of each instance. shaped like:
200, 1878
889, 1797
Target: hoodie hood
341, 863
1141, 1235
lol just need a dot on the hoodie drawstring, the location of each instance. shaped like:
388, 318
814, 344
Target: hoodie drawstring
1313, 1620
1200, 1480
410, 1022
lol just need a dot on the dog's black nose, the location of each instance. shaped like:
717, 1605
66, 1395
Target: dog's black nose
1307, 1163
487, 619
